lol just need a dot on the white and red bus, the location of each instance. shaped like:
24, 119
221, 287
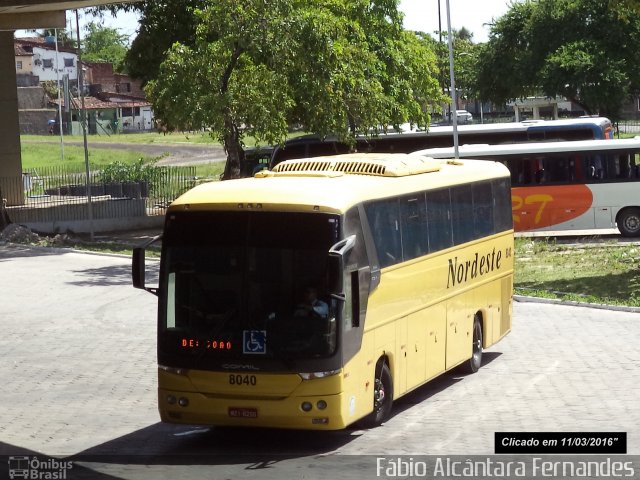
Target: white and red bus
586, 184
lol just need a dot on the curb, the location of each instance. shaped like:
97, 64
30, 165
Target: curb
572, 303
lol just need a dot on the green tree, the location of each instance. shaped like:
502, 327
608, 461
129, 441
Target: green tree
465, 59
584, 50
333, 66
104, 44
161, 24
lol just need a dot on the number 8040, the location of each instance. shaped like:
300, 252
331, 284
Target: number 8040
242, 380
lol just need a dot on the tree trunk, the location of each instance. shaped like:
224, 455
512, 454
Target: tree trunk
585, 107
4, 216
231, 139
233, 148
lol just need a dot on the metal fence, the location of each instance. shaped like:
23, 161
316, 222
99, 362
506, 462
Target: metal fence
61, 195
629, 126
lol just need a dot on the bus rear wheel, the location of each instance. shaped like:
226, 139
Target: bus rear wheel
473, 364
629, 222
382, 397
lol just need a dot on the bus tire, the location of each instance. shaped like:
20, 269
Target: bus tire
382, 397
473, 364
629, 222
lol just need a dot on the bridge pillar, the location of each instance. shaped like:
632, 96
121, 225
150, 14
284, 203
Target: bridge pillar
10, 157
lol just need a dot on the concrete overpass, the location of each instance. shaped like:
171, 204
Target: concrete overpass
17, 15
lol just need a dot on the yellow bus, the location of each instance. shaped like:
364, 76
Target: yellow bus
314, 295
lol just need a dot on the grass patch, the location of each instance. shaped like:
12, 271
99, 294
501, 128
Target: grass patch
40, 155
195, 138
112, 248
133, 138
45, 155
605, 273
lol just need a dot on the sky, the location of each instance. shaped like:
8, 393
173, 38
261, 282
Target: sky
420, 15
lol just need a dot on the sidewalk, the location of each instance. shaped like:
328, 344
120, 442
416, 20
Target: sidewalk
128, 237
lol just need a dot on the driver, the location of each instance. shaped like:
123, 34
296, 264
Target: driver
311, 305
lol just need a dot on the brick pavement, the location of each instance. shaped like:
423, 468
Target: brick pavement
78, 371
561, 369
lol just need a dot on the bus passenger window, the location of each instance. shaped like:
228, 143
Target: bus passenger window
625, 166
558, 169
462, 214
413, 215
439, 220
515, 169
482, 209
385, 225
595, 170
502, 218
577, 168
541, 173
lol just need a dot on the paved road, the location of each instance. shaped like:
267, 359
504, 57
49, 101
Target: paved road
78, 378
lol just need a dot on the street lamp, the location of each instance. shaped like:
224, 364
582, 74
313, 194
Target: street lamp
453, 86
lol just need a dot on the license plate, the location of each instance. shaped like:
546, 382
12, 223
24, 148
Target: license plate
236, 412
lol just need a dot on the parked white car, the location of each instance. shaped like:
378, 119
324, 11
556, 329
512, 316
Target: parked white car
464, 116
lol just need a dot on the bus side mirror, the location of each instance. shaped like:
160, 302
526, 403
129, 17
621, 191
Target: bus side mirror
335, 274
335, 265
138, 266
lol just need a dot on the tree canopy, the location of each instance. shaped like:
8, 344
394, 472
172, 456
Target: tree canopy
585, 50
331, 66
104, 44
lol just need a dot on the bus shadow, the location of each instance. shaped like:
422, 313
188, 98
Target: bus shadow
437, 385
25, 463
164, 444
111, 275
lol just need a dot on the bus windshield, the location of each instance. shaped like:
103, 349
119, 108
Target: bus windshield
246, 286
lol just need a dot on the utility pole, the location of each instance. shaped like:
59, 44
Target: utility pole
83, 119
454, 103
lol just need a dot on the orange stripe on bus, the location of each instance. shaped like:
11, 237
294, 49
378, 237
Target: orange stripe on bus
545, 206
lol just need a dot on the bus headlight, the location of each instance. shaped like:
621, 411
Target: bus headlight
311, 376
171, 400
183, 402
306, 406
321, 404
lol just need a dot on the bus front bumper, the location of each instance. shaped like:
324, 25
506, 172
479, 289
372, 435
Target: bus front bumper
322, 412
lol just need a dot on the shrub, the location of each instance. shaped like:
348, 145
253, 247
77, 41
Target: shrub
140, 171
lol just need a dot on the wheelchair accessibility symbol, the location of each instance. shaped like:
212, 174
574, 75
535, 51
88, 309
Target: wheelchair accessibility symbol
254, 341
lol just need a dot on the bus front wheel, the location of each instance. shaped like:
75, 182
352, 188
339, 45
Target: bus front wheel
629, 222
473, 364
382, 396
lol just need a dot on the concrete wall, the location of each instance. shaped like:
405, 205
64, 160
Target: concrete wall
108, 215
36, 121
32, 97
10, 158
34, 113
98, 226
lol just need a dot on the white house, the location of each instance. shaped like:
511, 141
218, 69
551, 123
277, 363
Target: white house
46, 64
